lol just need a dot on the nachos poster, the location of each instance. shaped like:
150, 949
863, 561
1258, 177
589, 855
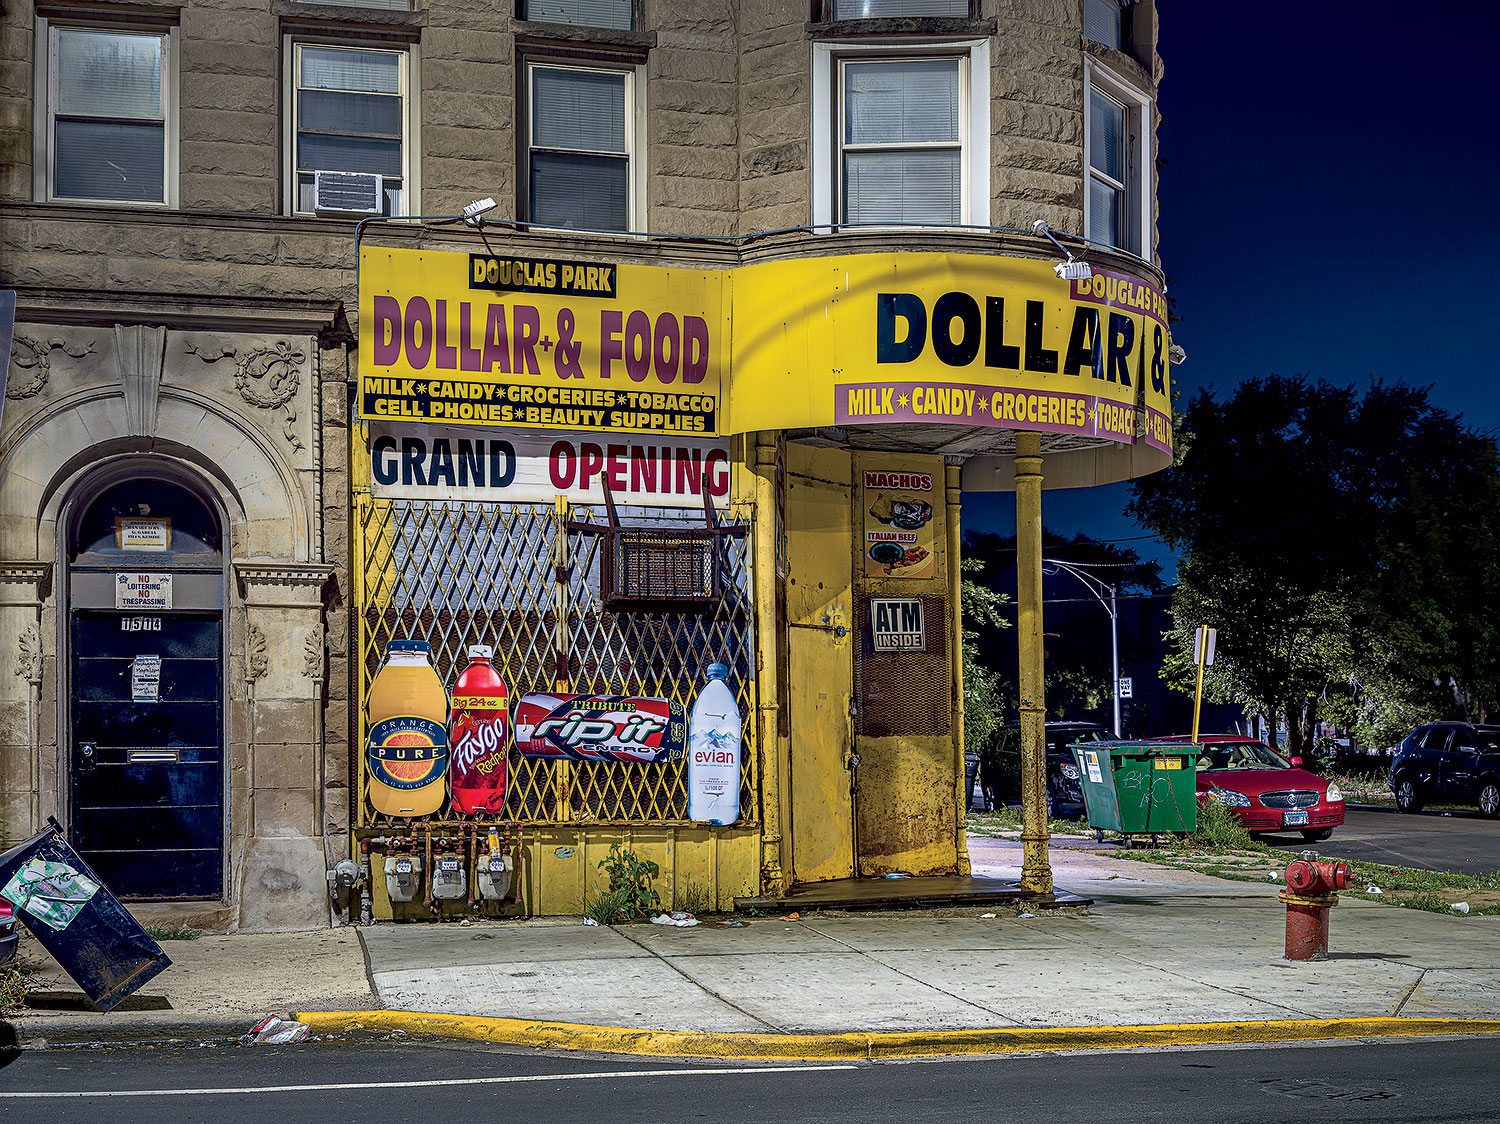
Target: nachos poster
898, 523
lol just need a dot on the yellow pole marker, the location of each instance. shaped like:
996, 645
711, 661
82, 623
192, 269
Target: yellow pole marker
1202, 654
1036, 867
953, 495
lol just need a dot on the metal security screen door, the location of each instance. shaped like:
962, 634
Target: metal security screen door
146, 688
148, 773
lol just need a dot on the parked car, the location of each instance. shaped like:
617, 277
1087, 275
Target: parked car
1455, 762
1000, 774
8, 937
1269, 792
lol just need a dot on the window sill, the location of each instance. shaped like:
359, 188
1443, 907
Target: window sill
907, 25
1122, 65
534, 32
322, 17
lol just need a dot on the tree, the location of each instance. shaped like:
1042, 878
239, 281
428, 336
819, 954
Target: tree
984, 700
1344, 546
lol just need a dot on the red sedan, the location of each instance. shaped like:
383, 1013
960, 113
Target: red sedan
1266, 790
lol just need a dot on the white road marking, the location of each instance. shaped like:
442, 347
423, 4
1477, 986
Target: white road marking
356, 1085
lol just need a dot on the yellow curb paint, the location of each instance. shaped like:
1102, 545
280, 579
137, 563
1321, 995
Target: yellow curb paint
914, 1044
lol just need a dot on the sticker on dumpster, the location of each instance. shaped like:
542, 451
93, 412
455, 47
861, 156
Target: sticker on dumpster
1167, 763
52, 892
1091, 762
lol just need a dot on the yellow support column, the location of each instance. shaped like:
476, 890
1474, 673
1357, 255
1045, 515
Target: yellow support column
773, 880
1036, 867
953, 495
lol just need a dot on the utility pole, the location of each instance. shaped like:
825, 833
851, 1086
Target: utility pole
1097, 586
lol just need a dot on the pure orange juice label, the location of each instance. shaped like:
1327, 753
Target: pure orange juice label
407, 752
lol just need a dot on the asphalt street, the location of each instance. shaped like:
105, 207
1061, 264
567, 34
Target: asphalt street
396, 1082
1460, 840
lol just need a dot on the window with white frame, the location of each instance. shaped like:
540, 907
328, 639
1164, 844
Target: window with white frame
350, 113
900, 136
580, 156
888, 9
108, 133
617, 14
1104, 22
1117, 136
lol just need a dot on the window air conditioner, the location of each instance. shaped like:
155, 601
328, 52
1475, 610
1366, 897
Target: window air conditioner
348, 193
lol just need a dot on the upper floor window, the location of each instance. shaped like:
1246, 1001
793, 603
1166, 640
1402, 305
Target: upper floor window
580, 157
108, 105
1104, 22
349, 108
1117, 206
618, 14
887, 9
899, 137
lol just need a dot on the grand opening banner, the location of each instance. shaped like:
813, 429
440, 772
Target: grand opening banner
476, 339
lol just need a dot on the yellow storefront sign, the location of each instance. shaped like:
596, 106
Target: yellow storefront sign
476, 339
970, 340
960, 339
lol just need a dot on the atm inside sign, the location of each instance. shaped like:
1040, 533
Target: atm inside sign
896, 624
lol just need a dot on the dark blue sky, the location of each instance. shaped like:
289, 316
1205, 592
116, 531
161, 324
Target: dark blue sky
1329, 204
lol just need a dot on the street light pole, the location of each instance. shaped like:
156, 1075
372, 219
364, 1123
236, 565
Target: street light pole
1097, 586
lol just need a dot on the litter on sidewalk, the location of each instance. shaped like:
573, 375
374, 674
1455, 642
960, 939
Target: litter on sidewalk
274, 1031
676, 918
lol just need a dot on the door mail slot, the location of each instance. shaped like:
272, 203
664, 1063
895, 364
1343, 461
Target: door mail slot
153, 757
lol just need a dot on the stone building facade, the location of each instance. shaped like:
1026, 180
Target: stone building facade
187, 319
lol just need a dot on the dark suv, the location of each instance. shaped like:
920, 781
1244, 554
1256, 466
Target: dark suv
1452, 762
1000, 774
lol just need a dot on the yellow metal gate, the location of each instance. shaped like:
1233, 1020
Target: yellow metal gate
516, 577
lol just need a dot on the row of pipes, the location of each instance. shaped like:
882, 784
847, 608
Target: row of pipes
514, 841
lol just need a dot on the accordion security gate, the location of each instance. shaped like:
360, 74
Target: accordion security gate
525, 579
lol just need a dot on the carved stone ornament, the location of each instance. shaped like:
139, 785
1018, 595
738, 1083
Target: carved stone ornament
266, 377
256, 661
29, 655
312, 654
31, 355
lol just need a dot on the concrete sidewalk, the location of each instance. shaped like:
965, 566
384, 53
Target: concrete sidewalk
1158, 947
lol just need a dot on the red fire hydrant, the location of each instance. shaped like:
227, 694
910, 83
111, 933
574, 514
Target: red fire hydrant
1309, 895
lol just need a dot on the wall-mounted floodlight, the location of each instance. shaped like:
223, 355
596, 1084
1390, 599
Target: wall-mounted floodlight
477, 208
1070, 270
1177, 355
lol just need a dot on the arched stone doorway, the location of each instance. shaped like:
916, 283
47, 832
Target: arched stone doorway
144, 641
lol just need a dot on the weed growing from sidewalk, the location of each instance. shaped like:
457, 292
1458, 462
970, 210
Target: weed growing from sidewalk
694, 898
15, 982
606, 907
630, 876
1218, 828
175, 933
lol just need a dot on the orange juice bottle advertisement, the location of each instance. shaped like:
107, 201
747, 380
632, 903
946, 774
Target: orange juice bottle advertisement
407, 754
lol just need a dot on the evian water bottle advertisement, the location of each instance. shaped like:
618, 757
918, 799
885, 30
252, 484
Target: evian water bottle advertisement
714, 747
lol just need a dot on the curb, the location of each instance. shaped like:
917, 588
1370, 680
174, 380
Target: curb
867, 1046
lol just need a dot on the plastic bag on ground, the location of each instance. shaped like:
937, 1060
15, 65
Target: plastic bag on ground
676, 917
273, 1031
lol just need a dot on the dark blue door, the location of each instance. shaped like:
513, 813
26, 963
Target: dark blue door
148, 760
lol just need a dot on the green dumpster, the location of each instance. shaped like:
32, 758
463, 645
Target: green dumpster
1139, 788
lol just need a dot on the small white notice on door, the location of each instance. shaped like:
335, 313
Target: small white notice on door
143, 591
145, 679
1091, 763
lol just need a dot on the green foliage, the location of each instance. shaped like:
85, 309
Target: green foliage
1219, 829
984, 700
606, 907
175, 933
630, 878
1346, 547
694, 898
15, 981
